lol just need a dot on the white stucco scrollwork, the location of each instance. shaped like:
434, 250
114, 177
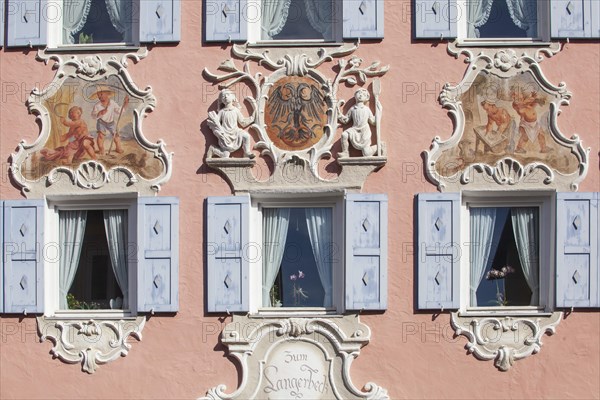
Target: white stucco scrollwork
296, 358
91, 139
504, 339
90, 342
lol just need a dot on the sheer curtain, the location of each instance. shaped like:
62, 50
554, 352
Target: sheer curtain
275, 229
273, 17
478, 14
524, 14
115, 224
483, 221
525, 229
71, 225
120, 13
319, 225
75, 13
320, 13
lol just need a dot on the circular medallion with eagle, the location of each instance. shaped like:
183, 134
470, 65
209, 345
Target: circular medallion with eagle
296, 113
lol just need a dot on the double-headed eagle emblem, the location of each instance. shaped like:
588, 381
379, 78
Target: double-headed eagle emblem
296, 111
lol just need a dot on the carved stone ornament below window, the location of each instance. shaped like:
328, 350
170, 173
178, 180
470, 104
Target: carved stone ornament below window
295, 114
91, 131
506, 134
296, 358
89, 342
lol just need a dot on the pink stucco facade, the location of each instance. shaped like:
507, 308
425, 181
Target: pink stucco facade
413, 355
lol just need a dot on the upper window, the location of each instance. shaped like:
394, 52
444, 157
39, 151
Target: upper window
502, 18
86, 22
292, 21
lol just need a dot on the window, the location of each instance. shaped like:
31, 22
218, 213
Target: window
297, 266
292, 21
323, 253
494, 19
94, 259
107, 256
504, 256
111, 23
538, 251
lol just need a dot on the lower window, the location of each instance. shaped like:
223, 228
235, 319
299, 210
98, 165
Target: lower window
504, 256
93, 266
297, 258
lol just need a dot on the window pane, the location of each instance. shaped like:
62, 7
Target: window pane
92, 21
504, 256
94, 284
502, 18
297, 19
297, 268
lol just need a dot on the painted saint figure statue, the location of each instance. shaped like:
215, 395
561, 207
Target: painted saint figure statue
359, 134
226, 124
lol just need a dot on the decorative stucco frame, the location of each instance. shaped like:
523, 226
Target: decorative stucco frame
89, 176
507, 173
296, 62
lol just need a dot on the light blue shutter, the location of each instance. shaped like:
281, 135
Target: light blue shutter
577, 277
23, 261
226, 243
226, 20
27, 22
2, 17
435, 19
366, 251
160, 21
595, 19
438, 250
572, 18
363, 19
158, 261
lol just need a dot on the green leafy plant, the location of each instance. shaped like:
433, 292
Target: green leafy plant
85, 39
75, 304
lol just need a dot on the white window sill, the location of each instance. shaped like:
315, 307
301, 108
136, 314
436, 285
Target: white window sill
505, 42
504, 311
293, 43
92, 314
74, 48
298, 312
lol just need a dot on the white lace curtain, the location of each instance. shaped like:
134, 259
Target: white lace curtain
522, 12
71, 225
75, 14
275, 14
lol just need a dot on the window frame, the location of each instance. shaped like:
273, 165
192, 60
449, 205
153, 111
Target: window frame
543, 29
51, 264
547, 259
255, 36
55, 33
336, 203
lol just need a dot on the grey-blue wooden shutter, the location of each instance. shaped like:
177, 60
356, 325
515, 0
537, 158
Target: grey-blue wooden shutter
363, 19
160, 21
27, 22
226, 241
573, 18
366, 251
435, 19
438, 250
577, 258
2, 18
158, 260
226, 20
23, 261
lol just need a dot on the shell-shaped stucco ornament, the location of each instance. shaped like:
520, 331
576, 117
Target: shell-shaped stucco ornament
91, 175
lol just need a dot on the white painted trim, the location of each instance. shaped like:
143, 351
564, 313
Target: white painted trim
331, 200
51, 264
